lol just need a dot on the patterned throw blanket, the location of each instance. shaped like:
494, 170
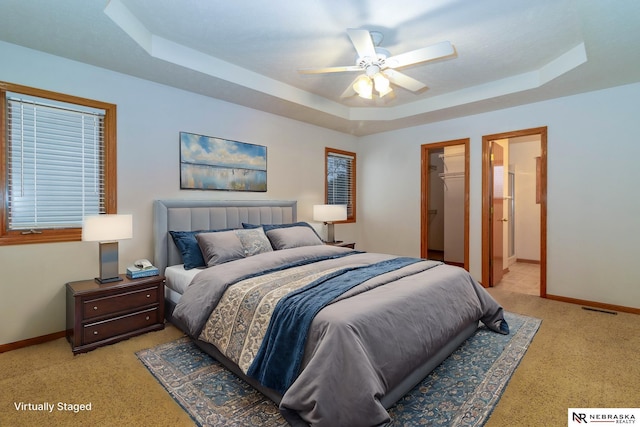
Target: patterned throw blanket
239, 322
261, 323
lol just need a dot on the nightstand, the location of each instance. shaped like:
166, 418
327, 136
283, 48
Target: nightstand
342, 244
101, 314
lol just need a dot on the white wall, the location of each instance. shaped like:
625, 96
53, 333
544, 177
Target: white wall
592, 179
593, 204
150, 116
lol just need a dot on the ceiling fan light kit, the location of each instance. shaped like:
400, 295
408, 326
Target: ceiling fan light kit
363, 87
379, 66
382, 84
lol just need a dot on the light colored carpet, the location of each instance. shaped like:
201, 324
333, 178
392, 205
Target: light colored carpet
578, 359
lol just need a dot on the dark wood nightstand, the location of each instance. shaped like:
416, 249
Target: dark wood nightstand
342, 244
101, 314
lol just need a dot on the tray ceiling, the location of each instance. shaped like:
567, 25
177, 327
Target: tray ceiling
248, 52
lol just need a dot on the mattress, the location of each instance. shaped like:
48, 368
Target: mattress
177, 280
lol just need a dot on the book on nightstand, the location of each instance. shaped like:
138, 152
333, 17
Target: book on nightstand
134, 272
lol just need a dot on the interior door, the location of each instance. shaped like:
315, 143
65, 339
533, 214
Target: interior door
497, 213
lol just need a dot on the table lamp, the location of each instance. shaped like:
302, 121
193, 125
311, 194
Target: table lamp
107, 229
329, 214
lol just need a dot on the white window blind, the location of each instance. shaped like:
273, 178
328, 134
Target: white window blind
339, 184
55, 163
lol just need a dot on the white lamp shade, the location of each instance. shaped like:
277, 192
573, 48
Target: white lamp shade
363, 87
102, 228
382, 84
329, 213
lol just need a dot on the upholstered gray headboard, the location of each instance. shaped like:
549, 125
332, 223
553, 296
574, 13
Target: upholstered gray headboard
191, 215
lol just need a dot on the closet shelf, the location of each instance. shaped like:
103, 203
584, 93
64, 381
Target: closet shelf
448, 175
442, 156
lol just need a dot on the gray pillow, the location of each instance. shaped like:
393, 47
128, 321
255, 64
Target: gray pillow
293, 237
220, 247
254, 241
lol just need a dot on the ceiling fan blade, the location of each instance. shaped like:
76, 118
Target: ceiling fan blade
350, 91
361, 40
428, 53
329, 69
402, 80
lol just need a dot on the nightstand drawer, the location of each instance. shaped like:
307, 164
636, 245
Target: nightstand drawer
119, 325
115, 303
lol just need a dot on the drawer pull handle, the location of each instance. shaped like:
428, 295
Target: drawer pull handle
147, 317
95, 332
148, 296
95, 307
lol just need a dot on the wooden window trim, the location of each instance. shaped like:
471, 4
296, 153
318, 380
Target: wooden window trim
44, 235
328, 151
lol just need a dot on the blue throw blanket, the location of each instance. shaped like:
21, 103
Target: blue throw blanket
278, 360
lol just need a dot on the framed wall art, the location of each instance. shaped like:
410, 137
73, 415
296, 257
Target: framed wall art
208, 163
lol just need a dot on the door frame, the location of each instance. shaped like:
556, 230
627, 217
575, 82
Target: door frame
424, 194
487, 172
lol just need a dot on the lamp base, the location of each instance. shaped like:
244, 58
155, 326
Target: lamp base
108, 263
330, 233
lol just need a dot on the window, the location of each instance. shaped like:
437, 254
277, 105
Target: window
340, 168
58, 154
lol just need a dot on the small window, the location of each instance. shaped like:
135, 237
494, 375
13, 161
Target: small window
340, 167
58, 154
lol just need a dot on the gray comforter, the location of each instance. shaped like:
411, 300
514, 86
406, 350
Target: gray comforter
364, 343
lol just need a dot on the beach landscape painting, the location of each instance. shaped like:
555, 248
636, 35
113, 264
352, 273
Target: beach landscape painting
208, 163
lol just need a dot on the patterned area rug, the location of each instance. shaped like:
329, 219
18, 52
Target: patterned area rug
462, 391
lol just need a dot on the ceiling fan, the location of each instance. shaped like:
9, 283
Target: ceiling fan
379, 66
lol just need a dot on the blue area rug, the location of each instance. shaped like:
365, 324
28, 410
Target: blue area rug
462, 391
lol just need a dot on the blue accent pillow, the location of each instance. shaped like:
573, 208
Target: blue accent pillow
188, 246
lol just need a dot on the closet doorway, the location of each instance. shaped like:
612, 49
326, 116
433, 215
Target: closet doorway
444, 216
514, 210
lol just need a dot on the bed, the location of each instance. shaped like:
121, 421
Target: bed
373, 327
